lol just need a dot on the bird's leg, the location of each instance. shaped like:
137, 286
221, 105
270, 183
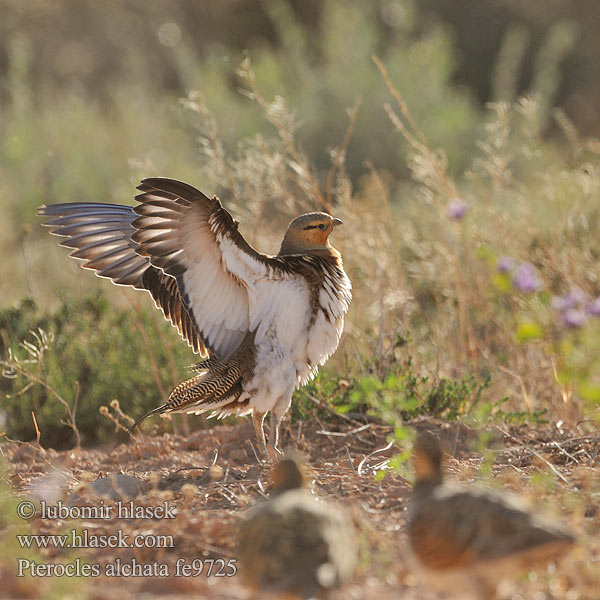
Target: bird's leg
258, 419
273, 448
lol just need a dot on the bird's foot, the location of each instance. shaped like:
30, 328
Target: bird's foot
274, 453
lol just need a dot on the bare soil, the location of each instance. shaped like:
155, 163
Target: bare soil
555, 468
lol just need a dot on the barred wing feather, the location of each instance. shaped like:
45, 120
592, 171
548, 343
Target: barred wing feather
100, 235
182, 247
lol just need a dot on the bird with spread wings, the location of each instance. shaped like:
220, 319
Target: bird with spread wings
261, 324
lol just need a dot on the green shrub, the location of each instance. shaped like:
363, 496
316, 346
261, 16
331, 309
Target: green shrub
91, 353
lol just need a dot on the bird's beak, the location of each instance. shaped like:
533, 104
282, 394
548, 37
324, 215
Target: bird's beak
337, 222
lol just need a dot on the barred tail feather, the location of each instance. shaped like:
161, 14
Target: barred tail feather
220, 387
207, 391
203, 365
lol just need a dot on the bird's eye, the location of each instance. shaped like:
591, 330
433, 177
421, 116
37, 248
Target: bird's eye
322, 226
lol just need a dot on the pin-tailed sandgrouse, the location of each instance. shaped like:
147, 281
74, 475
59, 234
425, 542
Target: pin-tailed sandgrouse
294, 546
469, 538
262, 324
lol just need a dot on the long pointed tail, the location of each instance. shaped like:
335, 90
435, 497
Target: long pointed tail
158, 410
219, 387
202, 392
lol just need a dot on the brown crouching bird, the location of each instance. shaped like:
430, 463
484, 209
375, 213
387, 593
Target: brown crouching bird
261, 324
292, 545
469, 539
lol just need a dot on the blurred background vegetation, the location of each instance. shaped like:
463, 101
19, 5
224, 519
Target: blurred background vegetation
478, 148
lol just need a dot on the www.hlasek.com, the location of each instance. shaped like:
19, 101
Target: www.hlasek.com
85, 539
209, 567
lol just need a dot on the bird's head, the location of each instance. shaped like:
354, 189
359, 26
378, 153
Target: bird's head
427, 458
309, 233
288, 474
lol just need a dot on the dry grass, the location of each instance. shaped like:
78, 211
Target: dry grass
416, 271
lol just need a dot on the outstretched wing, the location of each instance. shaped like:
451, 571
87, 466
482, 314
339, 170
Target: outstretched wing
181, 246
194, 239
101, 237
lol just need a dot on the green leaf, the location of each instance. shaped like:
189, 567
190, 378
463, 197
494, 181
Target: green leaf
402, 433
487, 253
502, 282
380, 475
528, 331
589, 391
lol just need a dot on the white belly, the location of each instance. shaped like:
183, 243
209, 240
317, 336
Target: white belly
274, 379
323, 338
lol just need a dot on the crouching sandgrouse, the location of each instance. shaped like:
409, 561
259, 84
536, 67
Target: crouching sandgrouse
261, 324
469, 539
293, 546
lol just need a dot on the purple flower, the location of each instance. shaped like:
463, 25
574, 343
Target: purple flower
576, 298
572, 308
594, 307
562, 303
457, 209
506, 264
526, 279
573, 318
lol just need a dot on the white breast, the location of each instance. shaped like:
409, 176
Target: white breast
323, 338
324, 335
281, 310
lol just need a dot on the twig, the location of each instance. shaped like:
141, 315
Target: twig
563, 451
401, 102
350, 458
228, 494
284, 133
331, 410
341, 151
37, 429
103, 410
191, 468
114, 404
551, 466
153, 365
521, 383
254, 451
74, 414
195, 102
346, 433
35, 379
379, 450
